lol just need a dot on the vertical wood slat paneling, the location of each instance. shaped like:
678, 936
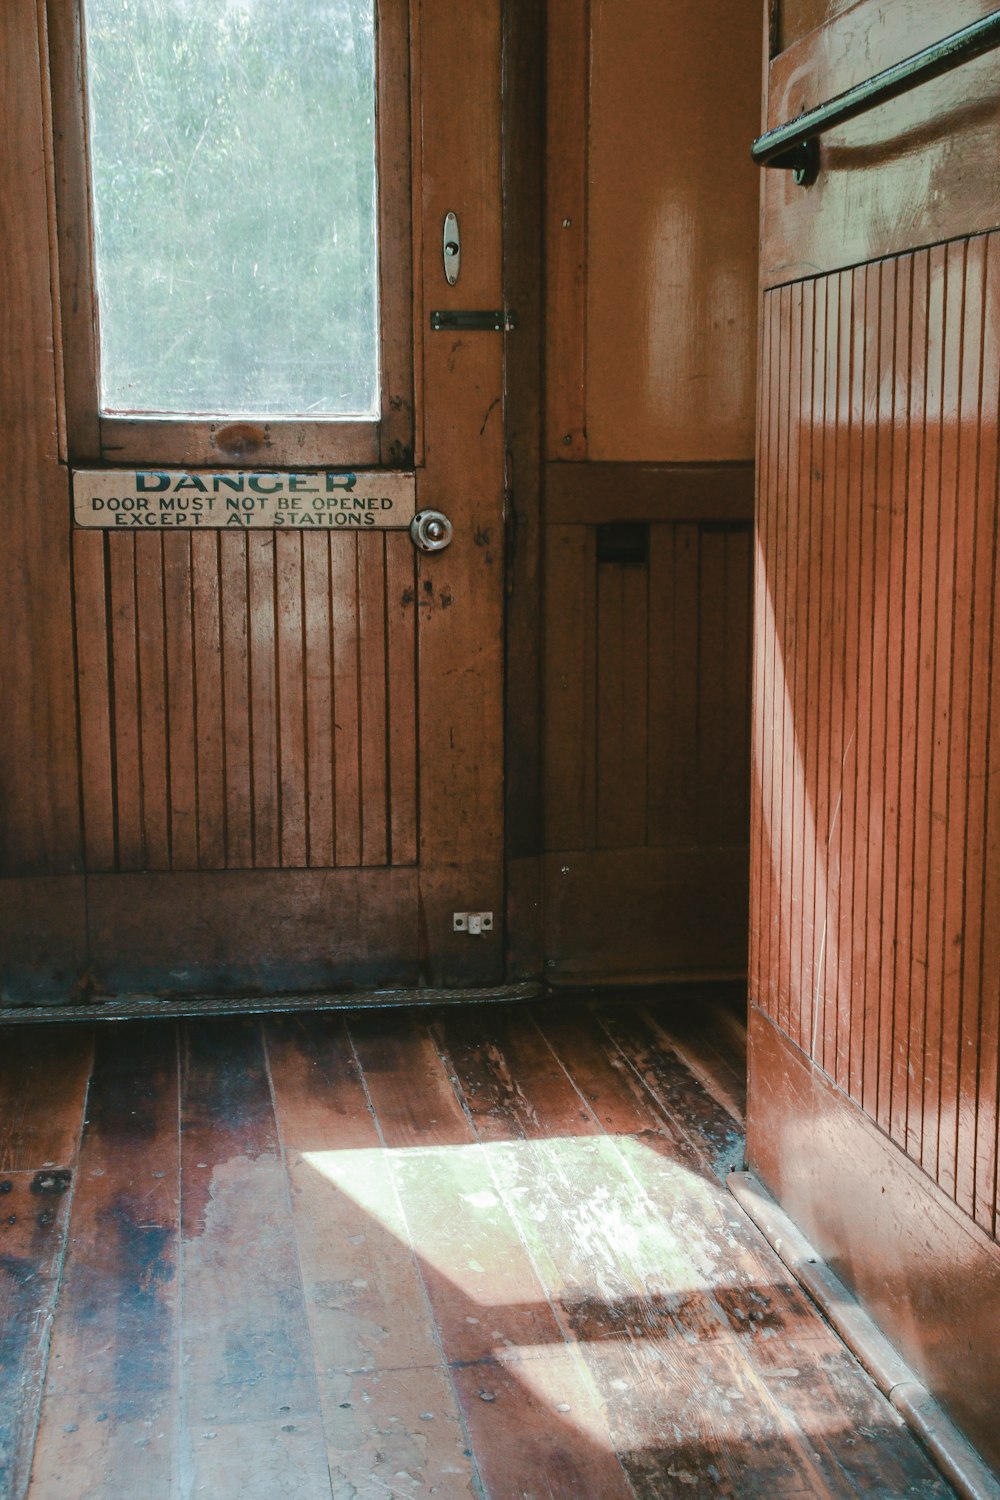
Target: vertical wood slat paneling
622, 687
96, 765
241, 697
875, 892
153, 706
981, 1062
674, 744
647, 719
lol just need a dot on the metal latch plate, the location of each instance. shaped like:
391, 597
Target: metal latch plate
447, 320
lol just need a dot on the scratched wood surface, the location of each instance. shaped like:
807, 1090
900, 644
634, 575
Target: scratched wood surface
646, 730
472, 1253
874, 877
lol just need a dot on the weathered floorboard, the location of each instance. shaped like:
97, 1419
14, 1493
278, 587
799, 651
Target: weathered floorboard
478, 1253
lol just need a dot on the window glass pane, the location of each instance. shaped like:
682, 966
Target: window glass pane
232, 147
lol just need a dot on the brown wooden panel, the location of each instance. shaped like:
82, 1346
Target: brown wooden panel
258, 931
266, 816
619, 914
460, 633
910, 355
346, 704
908, 173
674, 744
373, 708
570, 689
722, 783
982, 1012
43, 939
401, 688
209, 725
622, 670
929, 1275
595, 492
290, 650
967, 851
96, 765
40, 827
182, 730
319, 707
873, 947
647, 684
524, 233
880, 1062
234, 619
671, 254
152, 676
646, 729
233, 700
566, 172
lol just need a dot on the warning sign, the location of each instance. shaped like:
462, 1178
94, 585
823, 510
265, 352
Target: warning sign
177, 499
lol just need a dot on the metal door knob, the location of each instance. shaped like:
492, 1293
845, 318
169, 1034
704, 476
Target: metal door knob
430, 530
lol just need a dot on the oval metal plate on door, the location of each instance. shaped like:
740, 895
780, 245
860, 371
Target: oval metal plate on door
451, 249
431, 531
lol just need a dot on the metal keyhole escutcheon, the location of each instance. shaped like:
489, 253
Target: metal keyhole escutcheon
430, 531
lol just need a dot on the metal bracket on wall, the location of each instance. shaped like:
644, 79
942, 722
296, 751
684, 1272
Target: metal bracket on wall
500, 321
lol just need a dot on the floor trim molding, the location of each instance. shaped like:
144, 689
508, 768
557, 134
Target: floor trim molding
150, 1008
954, 1455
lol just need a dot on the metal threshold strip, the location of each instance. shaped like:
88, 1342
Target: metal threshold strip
954, 1455
158, 1008
794, 145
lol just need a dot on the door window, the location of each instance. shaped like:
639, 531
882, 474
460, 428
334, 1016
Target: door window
239, 161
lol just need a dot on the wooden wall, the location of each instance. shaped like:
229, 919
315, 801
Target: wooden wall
651, 232
875, 868
876, 897
246, 701
211, 742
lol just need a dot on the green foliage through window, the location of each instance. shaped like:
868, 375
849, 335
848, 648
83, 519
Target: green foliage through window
232, 147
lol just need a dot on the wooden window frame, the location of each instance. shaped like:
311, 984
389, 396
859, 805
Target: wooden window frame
211, 441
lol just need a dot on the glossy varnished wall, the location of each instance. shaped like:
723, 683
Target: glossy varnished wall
875, 864
671, 231
651, 238
876, 893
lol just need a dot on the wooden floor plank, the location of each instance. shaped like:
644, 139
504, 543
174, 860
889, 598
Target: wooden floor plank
389, 1410
516, 1377
42, 1065
707, 1124
481, 1253
628, 1242
249, 1399
33, 1223
711, 1040
109, 1410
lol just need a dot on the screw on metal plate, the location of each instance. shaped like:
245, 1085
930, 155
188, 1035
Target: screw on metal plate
473, 922
430, 531
806, 168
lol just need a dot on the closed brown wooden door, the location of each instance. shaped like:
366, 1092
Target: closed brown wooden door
266, 759
875, 964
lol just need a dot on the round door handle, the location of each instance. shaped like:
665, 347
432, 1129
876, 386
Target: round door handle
430, 530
